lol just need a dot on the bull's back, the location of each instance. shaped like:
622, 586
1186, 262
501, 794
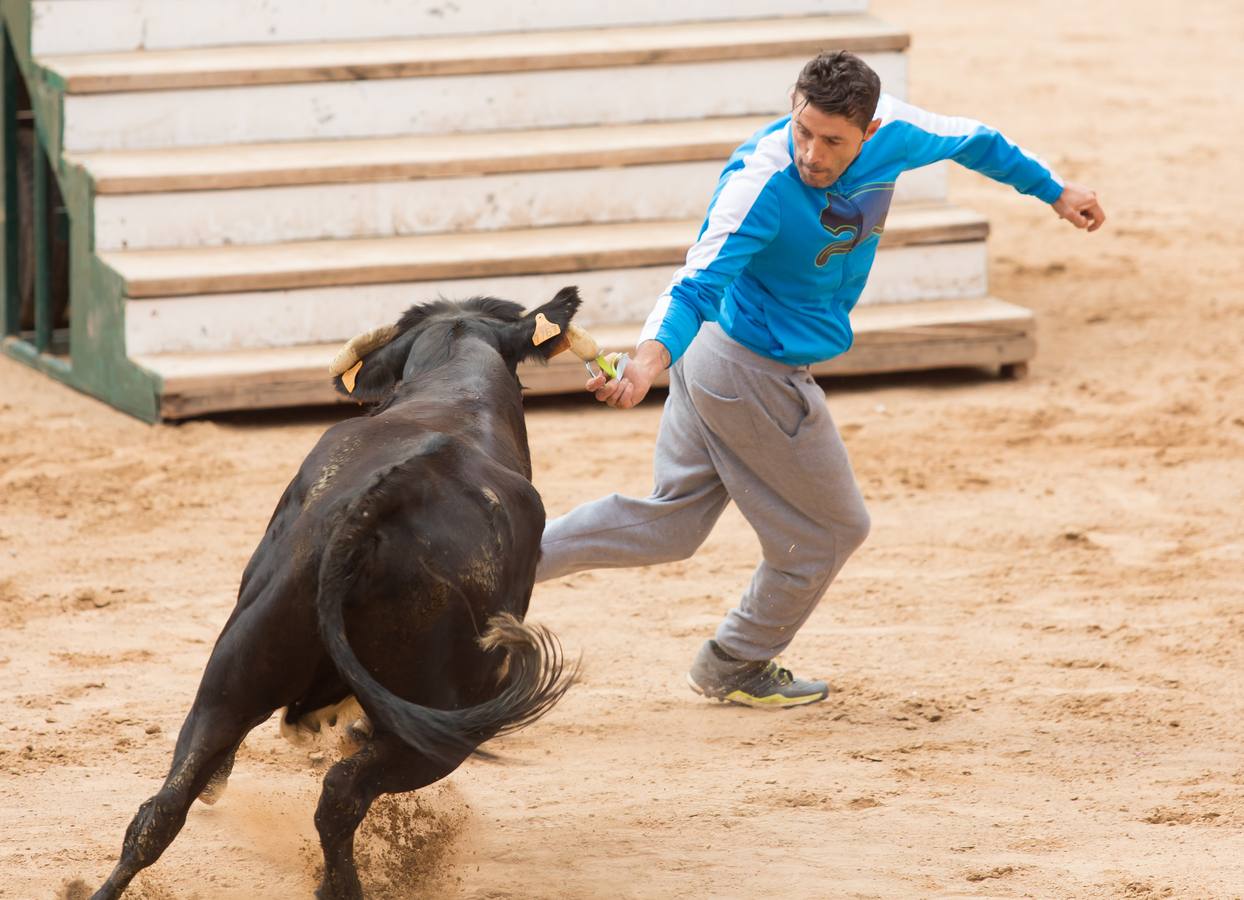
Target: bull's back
448, 520
454, 520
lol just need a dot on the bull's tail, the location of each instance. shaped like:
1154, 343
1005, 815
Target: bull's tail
537, 675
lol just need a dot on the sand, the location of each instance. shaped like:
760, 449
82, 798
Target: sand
1037, 656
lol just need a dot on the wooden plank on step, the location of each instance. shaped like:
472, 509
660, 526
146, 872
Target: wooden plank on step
417, 156
147, 70
902, 337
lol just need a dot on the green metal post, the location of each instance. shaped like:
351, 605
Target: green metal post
12, 300
43, 254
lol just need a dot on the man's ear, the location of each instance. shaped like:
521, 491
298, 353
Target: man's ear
557, 312
872, 128
376, 371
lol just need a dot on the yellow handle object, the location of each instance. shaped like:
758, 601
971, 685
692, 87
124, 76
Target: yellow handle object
584, 346
609, 364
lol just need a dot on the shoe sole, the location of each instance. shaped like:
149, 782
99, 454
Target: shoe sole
773, 701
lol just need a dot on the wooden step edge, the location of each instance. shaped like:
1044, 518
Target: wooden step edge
407, 158
358, 261
346, 275
911, 224
467, 55
888, 338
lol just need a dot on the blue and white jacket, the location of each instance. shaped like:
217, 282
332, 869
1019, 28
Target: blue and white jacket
779, 265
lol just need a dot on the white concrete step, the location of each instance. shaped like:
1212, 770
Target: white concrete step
94, 26
217, 299
439, 85
182, 272
982, 331
257, 319
272, 193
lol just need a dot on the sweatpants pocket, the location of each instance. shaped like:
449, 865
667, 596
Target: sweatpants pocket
725, 415
783, 405
761, 408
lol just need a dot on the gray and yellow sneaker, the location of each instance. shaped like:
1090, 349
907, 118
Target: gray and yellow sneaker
764, 684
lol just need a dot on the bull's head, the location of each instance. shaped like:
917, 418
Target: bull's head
370, 365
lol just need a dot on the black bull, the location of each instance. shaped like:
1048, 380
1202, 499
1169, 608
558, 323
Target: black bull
396, 568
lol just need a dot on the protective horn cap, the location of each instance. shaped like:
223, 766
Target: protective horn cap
582, 344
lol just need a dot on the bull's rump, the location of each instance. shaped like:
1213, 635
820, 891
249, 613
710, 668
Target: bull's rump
448, 538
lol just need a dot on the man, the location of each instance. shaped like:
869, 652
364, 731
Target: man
782, 256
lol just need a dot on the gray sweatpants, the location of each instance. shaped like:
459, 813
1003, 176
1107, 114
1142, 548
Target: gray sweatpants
741, 427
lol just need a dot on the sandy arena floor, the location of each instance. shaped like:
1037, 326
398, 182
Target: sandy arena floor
1038, 654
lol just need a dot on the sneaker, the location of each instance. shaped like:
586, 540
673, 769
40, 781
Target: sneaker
762, 684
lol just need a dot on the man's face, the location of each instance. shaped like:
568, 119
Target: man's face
824, 144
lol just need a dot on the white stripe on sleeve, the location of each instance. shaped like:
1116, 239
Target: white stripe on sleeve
734, 202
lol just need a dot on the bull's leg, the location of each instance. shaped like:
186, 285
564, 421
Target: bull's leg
383, 766
206, 743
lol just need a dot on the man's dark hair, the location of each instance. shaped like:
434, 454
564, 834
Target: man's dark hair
841, 84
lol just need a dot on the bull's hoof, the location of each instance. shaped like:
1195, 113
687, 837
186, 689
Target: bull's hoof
340, 886
355, 735
308, 729
215, 787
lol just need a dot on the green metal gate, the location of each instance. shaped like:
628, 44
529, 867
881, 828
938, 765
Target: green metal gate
36, 226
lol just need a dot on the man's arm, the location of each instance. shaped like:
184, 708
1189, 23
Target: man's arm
930, 138
743, 219
694, 297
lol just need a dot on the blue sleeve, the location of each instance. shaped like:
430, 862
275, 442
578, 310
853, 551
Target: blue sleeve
930, 138
740, 223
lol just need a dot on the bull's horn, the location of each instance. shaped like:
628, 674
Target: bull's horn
358, 347
582, 344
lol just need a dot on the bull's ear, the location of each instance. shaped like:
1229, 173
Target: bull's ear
367, 368
557, 312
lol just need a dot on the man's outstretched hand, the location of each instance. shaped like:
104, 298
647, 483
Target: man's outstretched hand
1079, 206
650, 360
